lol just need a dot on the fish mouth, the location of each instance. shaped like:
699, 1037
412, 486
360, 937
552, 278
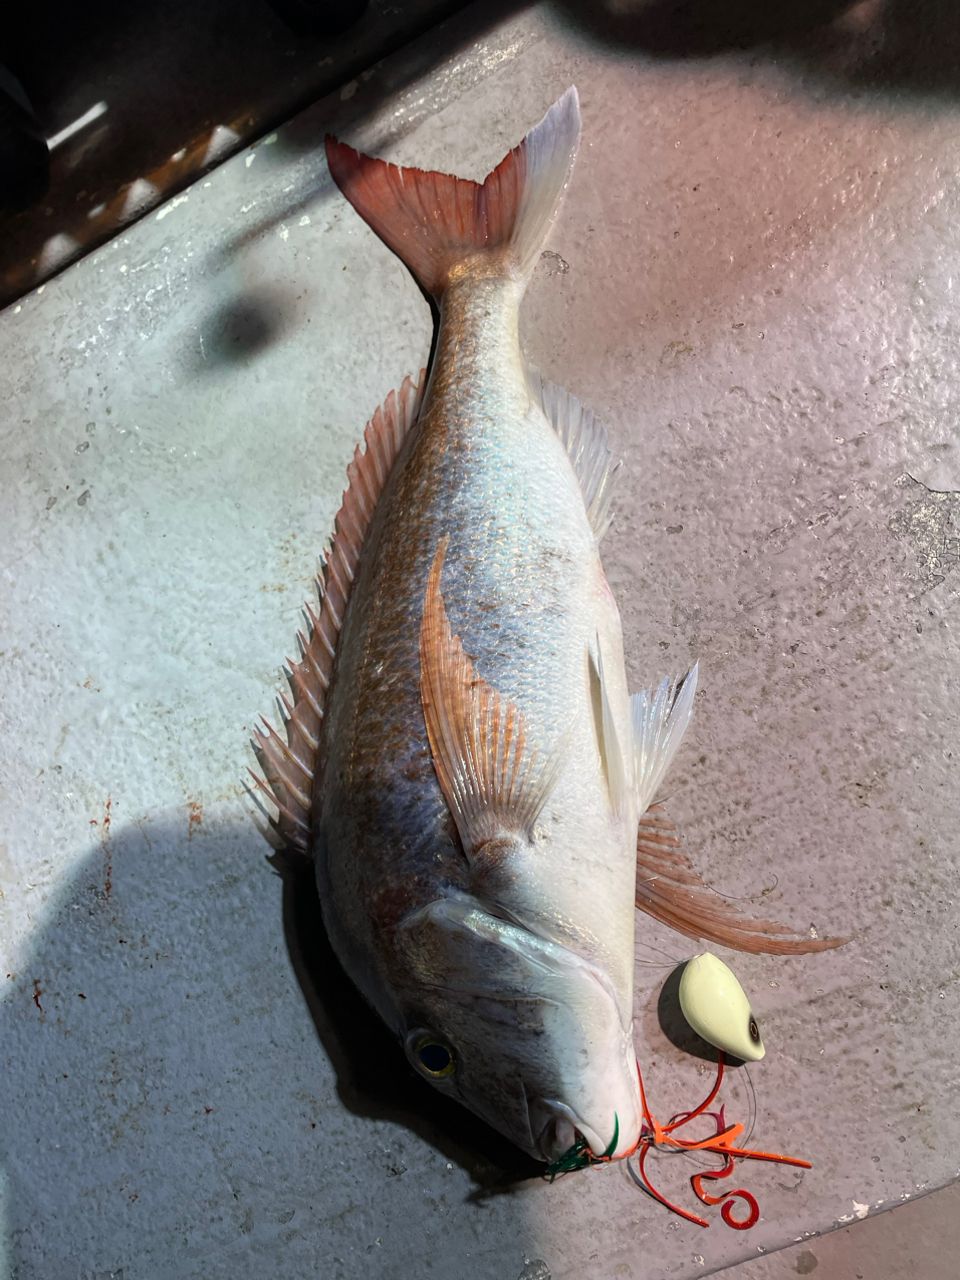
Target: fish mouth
556, 1128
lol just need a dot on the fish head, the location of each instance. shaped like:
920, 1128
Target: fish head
524, 1031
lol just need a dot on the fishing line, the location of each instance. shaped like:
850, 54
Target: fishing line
674, 961
745, 897
753, 1108
660, 819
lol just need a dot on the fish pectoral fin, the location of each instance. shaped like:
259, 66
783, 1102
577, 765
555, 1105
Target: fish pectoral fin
612, 759
670, 889
585, 441
660, 717
290, 764
493, 781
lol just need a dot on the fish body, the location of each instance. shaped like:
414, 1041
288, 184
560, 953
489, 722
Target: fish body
524, 589
464, 761
523, 586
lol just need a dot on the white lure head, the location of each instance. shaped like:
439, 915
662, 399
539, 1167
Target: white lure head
715, 1005
523, 1031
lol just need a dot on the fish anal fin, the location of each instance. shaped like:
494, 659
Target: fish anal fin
585, 441
290, 765
670, 889
494, 781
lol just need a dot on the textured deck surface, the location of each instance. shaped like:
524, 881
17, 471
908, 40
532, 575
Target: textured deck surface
754, 284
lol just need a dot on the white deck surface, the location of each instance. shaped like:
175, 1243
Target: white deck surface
754, 283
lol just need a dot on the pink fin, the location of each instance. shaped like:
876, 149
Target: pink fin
290, 767
435, 222
492, 783
670, 889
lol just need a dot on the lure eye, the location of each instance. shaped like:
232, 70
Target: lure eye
754, 1031
433, 1058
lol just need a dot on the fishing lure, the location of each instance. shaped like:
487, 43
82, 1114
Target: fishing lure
720, 1143
716, 1006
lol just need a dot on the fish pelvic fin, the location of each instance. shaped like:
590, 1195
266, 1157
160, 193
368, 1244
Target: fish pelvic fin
291, 762
670, 889
494, 782
618, 777
660, 717
445, 227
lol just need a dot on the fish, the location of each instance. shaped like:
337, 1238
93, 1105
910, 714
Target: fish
460, 754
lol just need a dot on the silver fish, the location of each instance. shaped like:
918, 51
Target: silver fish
463, 760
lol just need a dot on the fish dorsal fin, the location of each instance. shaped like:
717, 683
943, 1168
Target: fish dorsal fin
493, 781
670, 889
585, 440
290, 766
660, 718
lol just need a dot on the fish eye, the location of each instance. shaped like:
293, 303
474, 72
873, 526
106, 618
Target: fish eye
432, 1057
754, 1031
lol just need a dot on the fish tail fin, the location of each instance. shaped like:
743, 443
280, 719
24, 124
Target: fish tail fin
443, 227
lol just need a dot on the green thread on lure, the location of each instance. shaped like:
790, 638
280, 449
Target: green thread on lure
579, 1156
